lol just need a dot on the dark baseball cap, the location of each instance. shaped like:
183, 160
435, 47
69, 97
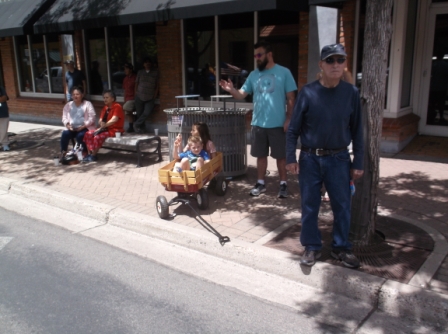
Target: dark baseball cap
129, 65
331, 50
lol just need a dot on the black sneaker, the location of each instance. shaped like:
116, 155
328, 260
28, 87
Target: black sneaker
130, 129
347, 257
309, 257
258, 189
283, 193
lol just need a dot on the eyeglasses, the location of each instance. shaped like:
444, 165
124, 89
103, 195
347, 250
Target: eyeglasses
331, 60
258, 55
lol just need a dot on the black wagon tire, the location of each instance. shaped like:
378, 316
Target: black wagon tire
202, 199
162, 207
220, 186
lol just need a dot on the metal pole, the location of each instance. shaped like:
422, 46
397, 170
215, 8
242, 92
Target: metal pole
19, 79
31, 62
86, 60
47, 63
106, 39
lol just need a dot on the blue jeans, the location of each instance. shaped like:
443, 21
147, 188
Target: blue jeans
334, 171
68, 135
143, 109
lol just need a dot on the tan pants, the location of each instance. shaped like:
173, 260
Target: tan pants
4, 124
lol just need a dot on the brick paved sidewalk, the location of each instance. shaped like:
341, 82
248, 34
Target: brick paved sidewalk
411, 188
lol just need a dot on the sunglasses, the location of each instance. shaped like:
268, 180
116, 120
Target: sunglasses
259, 55
331, 60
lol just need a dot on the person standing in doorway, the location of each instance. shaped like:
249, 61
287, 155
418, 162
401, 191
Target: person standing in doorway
273, 88
129, 94
73, 77
326, 117
146, 91
4, 119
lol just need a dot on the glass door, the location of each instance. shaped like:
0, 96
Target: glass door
434, 107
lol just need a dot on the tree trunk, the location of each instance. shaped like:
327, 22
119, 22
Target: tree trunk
378, 31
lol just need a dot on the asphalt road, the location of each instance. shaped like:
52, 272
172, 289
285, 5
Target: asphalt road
54, 281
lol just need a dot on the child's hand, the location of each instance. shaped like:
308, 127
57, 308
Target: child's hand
178, 140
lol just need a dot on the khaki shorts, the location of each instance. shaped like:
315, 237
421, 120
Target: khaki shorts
129, 107
264, 138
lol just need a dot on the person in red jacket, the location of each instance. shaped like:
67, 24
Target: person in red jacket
111, 122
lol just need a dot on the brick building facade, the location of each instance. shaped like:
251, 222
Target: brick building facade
400, 123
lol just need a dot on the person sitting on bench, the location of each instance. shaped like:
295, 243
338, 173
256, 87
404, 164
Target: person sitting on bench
111, 122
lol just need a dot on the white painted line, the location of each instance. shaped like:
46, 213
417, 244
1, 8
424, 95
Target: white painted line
4, 241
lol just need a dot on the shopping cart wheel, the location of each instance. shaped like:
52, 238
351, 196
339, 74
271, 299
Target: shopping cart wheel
221, 185
202, 199
162, 207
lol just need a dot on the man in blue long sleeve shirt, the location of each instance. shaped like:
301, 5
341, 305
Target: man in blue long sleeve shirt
327, 117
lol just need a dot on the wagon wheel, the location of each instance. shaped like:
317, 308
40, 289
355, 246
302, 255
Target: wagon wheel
220, 186
202, 199
162, 207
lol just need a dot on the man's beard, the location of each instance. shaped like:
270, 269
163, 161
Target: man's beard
261, 66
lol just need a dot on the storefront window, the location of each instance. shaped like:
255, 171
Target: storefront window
281, 30
409, 54
145, 44
98, 78
39, 64
55, 62
200, 57
236, 41
119, 54
24, 63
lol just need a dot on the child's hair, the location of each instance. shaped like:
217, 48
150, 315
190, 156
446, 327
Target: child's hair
203, 132
194, 140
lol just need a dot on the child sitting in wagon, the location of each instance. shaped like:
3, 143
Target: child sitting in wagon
193, 158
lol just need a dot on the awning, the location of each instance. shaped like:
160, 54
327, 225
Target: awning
66, 15
18, 16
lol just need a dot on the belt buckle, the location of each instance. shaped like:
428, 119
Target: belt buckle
317, 151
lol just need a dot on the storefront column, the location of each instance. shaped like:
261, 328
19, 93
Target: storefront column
323, 29
9, 67
396, 60
169, 55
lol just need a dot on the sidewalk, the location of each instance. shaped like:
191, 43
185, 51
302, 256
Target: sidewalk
409, 188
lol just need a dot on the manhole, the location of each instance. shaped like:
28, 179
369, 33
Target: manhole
398, 252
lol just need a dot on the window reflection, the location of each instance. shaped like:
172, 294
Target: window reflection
200, 57
98, 79
39, 64
236, 41
24, 64
54, 60
145, 45
119, 53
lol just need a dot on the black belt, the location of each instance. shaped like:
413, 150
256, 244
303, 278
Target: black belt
322, 151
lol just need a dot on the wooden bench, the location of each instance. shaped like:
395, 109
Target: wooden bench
130, 142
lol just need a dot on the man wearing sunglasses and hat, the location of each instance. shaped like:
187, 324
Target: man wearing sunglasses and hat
273, 88
326, 117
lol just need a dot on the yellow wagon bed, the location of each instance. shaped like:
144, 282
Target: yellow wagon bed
189, 181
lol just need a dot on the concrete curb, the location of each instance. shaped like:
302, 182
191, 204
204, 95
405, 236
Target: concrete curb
403, 300
391, 297
323, 276
87, 208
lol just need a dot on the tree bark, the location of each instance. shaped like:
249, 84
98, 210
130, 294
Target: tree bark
377, 35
